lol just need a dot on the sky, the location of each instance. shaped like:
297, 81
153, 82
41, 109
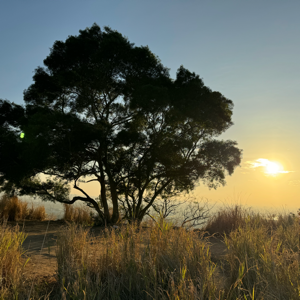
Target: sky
246, 50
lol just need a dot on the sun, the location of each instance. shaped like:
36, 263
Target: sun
270, 168
273, 168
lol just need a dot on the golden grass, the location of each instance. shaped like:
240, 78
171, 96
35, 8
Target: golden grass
78, 215
226, 220
158, 262
154, 263
263, 260
37, 213
11, 266
13, 209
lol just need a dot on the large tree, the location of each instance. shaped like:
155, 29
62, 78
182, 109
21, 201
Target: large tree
106, 110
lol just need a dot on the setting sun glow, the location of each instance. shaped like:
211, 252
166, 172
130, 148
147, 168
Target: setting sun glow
270, 167
273, 168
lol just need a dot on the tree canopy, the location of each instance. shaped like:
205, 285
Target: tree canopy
107, 110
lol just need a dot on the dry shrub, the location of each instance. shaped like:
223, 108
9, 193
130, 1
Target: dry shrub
13, 209
226, 220
78, 215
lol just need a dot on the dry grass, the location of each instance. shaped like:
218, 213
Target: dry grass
154, 263
38, 213
159, 262
78, 215
226, 220
264, 259
11, 266
13, 209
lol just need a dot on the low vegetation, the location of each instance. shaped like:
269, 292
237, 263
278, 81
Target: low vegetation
226, 220
264, 259
13, 209
154, 261
79, 215
11, 263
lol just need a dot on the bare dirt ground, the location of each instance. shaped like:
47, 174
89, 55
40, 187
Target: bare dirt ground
40, 247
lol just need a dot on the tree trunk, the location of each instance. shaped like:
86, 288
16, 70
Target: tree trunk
103, 196
114, 197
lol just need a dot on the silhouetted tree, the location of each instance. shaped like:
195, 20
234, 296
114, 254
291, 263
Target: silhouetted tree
104, 109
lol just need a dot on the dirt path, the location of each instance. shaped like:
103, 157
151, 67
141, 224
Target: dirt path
218, 248
40, 247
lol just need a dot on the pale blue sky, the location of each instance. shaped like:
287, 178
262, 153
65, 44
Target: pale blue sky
247, 50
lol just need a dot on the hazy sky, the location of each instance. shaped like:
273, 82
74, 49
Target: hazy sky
247, 50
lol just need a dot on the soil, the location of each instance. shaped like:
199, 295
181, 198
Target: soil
40, 247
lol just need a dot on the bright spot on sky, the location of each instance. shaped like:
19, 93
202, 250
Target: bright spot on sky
270, 167
273, 168
22, 135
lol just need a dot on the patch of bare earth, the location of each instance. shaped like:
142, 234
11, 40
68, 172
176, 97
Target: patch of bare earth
218, 252
39, 247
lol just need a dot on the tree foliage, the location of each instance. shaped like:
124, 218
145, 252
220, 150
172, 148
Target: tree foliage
106, 110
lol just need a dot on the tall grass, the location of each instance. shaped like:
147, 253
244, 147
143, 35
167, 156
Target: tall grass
264, 259
158, 262
15, 282
13, 209
78, 215
154, 263
11, 264
227, 220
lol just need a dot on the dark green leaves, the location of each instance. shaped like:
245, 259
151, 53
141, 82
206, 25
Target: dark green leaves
102, 107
